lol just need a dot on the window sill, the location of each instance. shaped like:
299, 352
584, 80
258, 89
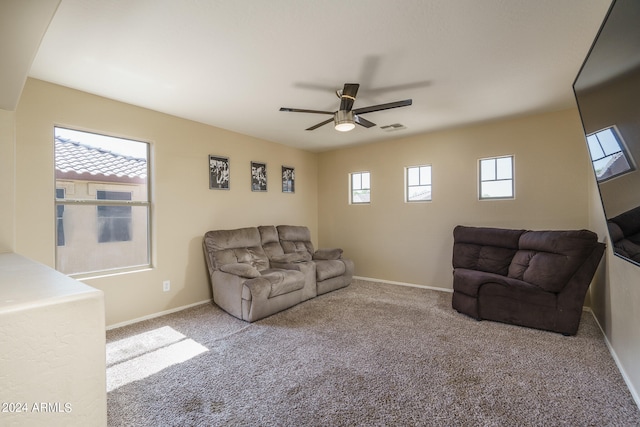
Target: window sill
110, 273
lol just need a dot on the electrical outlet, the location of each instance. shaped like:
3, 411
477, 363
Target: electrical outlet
166, 286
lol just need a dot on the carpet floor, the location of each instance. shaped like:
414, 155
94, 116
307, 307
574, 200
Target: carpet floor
371, 354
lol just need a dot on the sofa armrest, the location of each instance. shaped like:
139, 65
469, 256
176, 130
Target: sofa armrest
328, 254
227, 292
257, 289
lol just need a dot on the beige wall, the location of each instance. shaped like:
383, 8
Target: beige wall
392, 240
7, 193
183, 206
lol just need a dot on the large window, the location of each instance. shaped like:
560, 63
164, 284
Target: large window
360, 188
102, 202
418, 183
608, 155
496, 178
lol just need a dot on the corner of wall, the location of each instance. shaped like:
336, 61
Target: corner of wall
7, 180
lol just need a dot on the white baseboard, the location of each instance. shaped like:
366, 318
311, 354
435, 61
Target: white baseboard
413, 285
625, 377
154, 315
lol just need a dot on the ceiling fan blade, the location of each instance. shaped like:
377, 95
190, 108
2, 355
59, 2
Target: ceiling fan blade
301, 110
320, 124
349, 93
363, 122
380, 107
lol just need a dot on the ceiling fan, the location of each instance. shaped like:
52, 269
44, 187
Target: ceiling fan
346, 118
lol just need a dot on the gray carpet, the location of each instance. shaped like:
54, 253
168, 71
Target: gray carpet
371, 354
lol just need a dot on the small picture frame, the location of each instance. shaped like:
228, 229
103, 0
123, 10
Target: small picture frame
258, 176
218, 172
288, 179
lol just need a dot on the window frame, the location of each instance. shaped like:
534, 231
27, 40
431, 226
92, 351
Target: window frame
352, 190
147, 203
496, 178
622, 149
407, 186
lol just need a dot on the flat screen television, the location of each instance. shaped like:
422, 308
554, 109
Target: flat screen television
607, 91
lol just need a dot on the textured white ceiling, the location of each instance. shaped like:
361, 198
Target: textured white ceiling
234, 63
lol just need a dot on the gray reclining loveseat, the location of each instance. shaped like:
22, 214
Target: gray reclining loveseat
254, 273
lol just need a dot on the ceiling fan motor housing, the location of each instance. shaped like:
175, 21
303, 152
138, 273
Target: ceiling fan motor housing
344, 120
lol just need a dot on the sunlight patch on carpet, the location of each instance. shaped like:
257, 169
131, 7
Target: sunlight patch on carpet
137, 357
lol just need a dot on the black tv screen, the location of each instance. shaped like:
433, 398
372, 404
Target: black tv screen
607, 92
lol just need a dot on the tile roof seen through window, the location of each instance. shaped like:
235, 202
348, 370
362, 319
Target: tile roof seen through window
75, 157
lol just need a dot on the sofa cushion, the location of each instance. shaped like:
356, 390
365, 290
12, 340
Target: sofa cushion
485, 249
241, 269
469, 282
291, 246
326, 269
549, 259
292, 257
235, 246
283, 281
489, 259
253, 256
295, 238
270, 241
325, 254
487, 236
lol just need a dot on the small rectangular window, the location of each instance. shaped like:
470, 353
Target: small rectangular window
418, 183
360, 187
608, 154
496, 178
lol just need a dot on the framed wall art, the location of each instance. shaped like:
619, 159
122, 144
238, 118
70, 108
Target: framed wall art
218, 172
288, 179
258, 176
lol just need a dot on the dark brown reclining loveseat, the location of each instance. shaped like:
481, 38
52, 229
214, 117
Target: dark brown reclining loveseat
529, 278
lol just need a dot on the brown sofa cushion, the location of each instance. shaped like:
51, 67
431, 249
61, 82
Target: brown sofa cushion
485, 249
549, 259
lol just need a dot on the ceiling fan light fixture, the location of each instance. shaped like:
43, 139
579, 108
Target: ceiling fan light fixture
344, 121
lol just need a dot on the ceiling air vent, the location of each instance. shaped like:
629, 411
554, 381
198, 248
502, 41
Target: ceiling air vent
391, 128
